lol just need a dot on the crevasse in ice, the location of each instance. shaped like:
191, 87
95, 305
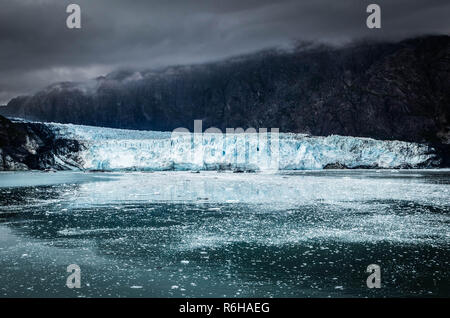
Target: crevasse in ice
119, 149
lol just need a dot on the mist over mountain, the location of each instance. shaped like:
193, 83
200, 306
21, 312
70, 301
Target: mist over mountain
369, 89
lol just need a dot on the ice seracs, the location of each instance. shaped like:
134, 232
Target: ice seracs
118, 149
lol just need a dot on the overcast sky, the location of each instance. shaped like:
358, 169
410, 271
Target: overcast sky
37, 49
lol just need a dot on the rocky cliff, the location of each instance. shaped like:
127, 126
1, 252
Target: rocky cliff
25, 146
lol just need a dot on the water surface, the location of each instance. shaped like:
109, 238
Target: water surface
210, 234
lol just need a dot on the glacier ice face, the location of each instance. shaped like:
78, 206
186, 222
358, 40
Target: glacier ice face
118, 149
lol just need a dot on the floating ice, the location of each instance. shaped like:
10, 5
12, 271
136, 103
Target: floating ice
119, 149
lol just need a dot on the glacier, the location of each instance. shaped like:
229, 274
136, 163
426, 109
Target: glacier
120, 149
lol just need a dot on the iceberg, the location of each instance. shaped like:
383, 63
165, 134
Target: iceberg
120, 149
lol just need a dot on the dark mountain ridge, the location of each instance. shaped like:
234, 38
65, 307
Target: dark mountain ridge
379, 90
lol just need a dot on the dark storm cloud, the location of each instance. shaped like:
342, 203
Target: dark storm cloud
37, 49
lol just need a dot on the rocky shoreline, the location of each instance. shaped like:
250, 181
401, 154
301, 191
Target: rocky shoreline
33, 146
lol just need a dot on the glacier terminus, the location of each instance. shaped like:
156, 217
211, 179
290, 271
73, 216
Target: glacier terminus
120, 149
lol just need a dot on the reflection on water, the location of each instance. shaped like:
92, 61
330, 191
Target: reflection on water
304, 234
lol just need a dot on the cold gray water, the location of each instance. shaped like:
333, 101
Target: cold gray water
210, 234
